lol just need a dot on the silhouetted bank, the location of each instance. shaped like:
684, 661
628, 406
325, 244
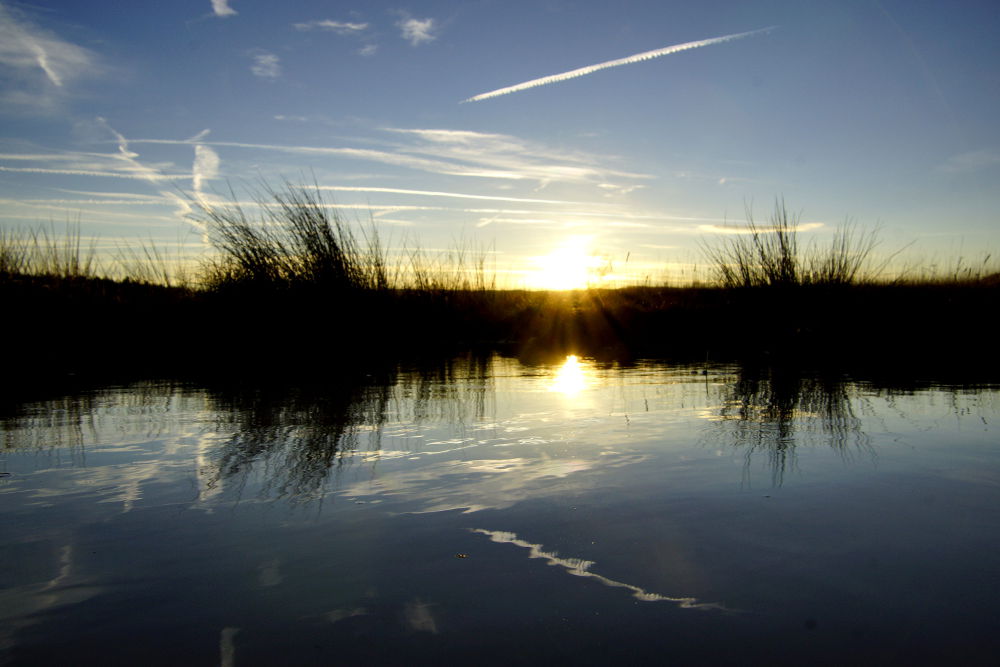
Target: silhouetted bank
299, 292
97, 325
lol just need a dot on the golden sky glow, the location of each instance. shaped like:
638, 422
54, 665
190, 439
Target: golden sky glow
571, 265
650, 130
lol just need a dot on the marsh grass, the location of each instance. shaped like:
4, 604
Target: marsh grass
296, 243
298, 286
461, 268
148, 264
43, 252
983, 271
771, 255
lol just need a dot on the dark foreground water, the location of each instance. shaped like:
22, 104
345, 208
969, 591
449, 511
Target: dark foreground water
488, 512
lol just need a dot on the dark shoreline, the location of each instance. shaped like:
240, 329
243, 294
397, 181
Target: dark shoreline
99, 327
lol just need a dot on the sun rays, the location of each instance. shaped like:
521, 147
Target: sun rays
571, 265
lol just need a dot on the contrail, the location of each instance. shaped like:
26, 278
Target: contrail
590, 69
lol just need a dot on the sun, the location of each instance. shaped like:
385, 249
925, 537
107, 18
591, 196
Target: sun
570, 266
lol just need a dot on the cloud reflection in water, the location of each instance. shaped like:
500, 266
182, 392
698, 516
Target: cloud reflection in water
581, 568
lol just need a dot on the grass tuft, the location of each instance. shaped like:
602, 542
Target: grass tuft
770, 255
41, 252
296, 244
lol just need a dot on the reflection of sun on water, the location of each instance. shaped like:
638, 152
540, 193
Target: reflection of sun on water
570, 379
570, 266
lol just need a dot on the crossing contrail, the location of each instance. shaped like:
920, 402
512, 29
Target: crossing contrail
590, 69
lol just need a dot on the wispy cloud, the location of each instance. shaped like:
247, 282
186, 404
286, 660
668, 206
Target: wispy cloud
384, 157
52, 157
148, 199
132, 175
222, 8
732, 229
971, 161
418, 31
590, 69
183, 208
462, 154
204, 169
155, 201
368, 50
14, 209
434, 193
39, 63
468, 154
86, 163
266, 65
506, 156
339, 27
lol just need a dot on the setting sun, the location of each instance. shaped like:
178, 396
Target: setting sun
570, 266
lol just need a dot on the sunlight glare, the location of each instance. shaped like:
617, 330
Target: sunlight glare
569, 266
570, 379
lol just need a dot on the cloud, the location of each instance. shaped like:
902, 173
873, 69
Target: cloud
489, 155
183, 208
368, 50
971, 161
339, 27
205, 167
222, 8
396, 159
36, 64
435, 193
227, 638
266, 65
149, 199
97, 165
126, 201
764, 229
590, 69
419, 617
132, 174
418, 31
465, 153
201, 135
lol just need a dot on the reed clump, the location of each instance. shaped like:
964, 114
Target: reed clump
296, 244
41, 252
770, 255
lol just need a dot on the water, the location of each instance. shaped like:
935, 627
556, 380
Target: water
489, 512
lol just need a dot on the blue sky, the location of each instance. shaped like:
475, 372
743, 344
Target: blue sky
120, 114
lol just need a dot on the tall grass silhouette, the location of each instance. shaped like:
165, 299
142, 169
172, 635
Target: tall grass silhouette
296, 280
43, 252
771, 255
296, 243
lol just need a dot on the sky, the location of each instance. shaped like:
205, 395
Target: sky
447, 125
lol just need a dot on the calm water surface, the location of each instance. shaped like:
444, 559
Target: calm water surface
489, 512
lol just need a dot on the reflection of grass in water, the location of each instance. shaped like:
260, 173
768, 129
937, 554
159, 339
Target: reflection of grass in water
296, 436
290, 434
769, 412
299, 436
68, 416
